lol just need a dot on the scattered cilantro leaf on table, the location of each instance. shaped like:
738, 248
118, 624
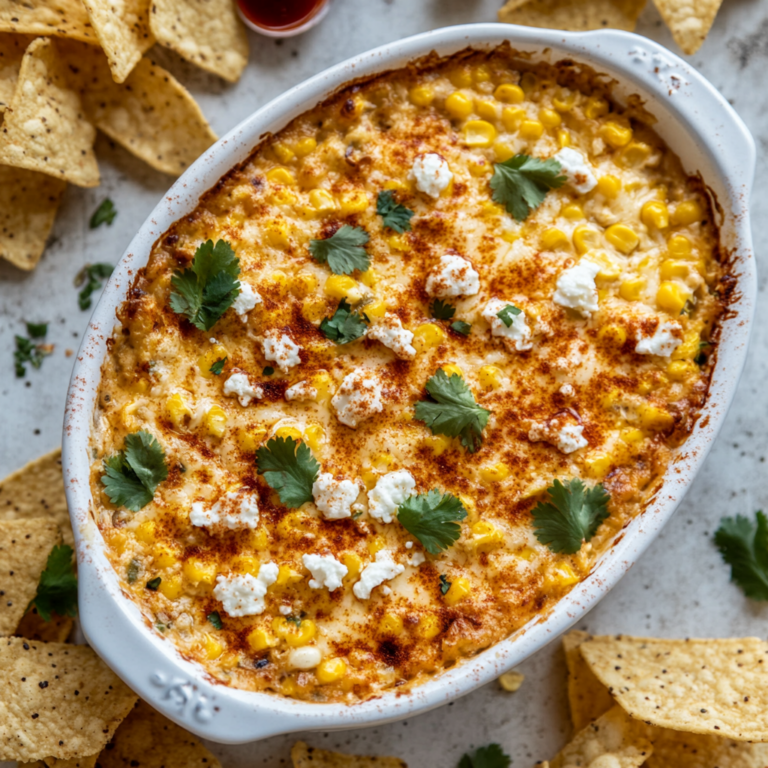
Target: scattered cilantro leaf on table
28, 352
57, 588
215, 619
206, 291
343, 251
571, 517
345, 326
90, 277
522, 182
395, 215
104, 214
132, 475
453, 410
507, 314
461, 327
218, 367
743, 543
289, 468
441, 311
433, 518
492, 756
36, 330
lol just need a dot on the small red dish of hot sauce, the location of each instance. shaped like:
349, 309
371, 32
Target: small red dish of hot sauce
282, 18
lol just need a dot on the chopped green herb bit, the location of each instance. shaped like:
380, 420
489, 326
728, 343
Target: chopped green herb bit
104, 214
441, 311
268, 371
492, 756
345, 326
294, 620
132, 571
461, 327
90, 277
217, 368
36, 330
433, 518
522, 182
343, 251
743, 544
395, 215
445, 585
57, 588
153, 584
507, 314
29, 352
289, 468
215, 619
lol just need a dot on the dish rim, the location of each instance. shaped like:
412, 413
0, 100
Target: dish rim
179, 688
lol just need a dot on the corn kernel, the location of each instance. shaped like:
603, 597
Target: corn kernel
354, 201
687, 212
564, 99
632, 436
343, 287
374, 545
428, 627
398, 242
421, 95
458, 590
635, 154
376, 309
485, 535
610, 266
479, 133
277, 281
258, 539
479, 166
549, 118
555, 240
527, 553
118, 541
654, 418
313, 309
260, 639
508, 93
286, 432
654, 213
572, 211
354, 565
383, 461
458, 105
171, 587
439, 444
672, 297
246, 564
285, 574
276, 233
679, 246
512, 117
284, 153
671, 269
305, 146
586, 239
178, 410
529, 82
531, 130
164, 556
616, 135
612, 335
562, 575
427, 336
679, 370
295, 636
451, 369
632, 289
281, 196
596, 107
199, 571
502, 151
690, 347
314, 436
622, 238
322, 201
563, 138
609, 186
486, 108
209, 357
145, 532
597, 465
490, 377
330, 671
289, 687
511, 681
369, 478
303, 284
280, 176
391, 624
494, 473
481, 73
461, 77
215, 421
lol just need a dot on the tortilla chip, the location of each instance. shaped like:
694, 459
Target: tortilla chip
587, 696
37, 490
45, 128
122, 27
700, 686
694, 750
146, 739
58, 700
33, 627
611, 737
73, 762
58, 18
28, 205
573, 16
689, 21
304, 756
12, 49
207, 33
24, 549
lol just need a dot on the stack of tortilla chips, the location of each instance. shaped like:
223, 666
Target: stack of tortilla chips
69, 67
688, 20
661, 703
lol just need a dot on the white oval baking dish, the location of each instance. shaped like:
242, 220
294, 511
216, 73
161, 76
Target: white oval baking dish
696, 122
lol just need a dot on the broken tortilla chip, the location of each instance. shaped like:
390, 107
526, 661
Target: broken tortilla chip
609, 740
689, 21
700, 686
122, 27
28, 205
58, 700
207, 33
573, 16
37, 490
57, 18
34, 627
12, 49
587, 696
45, 128
148, 739
694, 750
24, 549
304, 756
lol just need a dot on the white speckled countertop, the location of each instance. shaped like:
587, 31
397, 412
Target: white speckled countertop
679, 588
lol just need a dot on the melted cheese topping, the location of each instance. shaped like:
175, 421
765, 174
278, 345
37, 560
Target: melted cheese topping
600, 376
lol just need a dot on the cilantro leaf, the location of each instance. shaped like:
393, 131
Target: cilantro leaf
395, 215
441, 311
131, 476
57, 588
29, 352
218, 367
289, 470
433, 518
343, 251
215, 619
36, 330
492, 756
104, 214
571, 517
154, 585
744, 546
206, 291
345, 325
454, 412
507, 314
461, 327
268, 371
522, 182
90, 277
445, 585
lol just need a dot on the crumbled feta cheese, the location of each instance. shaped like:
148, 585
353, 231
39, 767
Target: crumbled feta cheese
431, 174
576, 288
517, 336
416, 559
454, 276
285, 610
567, 390
390, 333
390, 492
334, 498
570, 438
239, 386
243, 594
281, 349
326, 571
358, 397
409, 545
302, 390
578, 170
246, 300
561, 433
306, 657
236, 511
376, 573
665, 340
